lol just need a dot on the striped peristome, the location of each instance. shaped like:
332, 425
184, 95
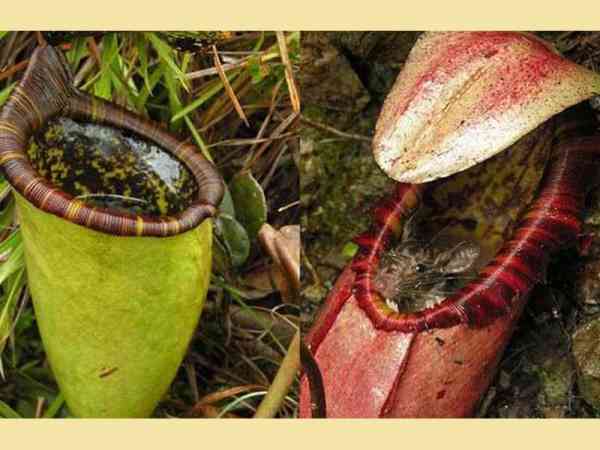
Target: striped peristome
46, 91
551, 221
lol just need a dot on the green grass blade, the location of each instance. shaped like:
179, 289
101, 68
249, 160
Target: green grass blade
4, 93
167, 55
110, 49
14, 287
54, 407
233, 405
213, 88
10, 243
174, 101
79, 50
15, 262
198, 139
6, 215
149, 87
142, 50
259, 42
7, 412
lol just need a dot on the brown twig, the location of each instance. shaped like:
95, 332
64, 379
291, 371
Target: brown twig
7, 48
288, 206
86, 68
334, 131
39, 407
95, 52
40, 39
190, 371
289, 73
243, 142
276, 133
13, 69
214, 397
221, 104
228, 88
265, 57
266, 179
273, 104
306, 262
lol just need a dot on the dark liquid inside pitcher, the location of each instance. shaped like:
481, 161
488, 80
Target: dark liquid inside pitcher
112, 168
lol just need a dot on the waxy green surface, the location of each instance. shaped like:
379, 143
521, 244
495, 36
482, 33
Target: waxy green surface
115, 313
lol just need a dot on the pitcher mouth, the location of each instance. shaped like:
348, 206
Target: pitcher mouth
45, 92
552, 220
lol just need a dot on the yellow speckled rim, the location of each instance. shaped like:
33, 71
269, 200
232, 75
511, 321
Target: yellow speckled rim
46, 91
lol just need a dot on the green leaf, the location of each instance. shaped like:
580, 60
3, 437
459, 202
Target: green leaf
259, 42
249, 201
207, 93
122, 69
258, 71
149, 87
234, 237
174, 101
110, 50
7, 412
14, 287
142, 49
4, 93
7, 215
118, 72
11, 250
226, 206
221, 261
167, 55
79, 49
234, 405
11, 243
15, 259
4, 188
185, 61
198, 139
54, 406
349, 250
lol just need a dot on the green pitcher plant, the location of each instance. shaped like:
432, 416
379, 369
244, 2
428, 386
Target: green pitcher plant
115, 216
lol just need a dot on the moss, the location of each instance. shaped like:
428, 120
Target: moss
586, 350
340, 182
556, 378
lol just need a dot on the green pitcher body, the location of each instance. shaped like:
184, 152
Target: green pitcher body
117, 290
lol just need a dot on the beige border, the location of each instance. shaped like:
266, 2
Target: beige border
296, 434
301, 14
284, 434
